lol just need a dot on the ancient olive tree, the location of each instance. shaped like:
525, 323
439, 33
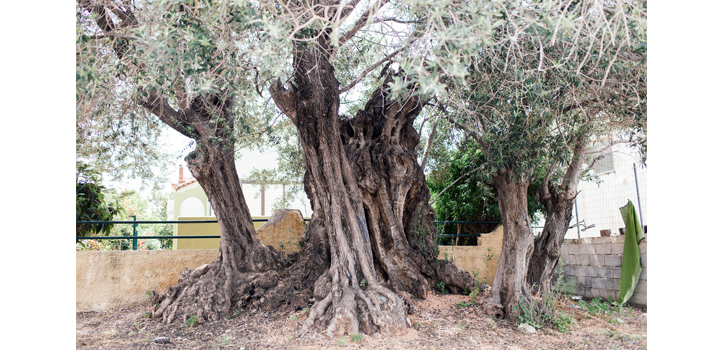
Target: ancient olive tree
559, 78
203, 67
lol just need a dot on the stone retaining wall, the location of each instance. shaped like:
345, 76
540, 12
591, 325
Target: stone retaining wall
480, 260
594, 266
111, 279
119, 278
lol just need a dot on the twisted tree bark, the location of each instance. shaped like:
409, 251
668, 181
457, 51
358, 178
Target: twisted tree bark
208, 291
558, 202
509, 283
363, 178
381, 144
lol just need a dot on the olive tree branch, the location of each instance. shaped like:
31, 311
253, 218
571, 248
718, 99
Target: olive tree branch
371, 68
374, 8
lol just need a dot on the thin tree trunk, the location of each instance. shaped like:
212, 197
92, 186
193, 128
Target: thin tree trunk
558, 202
509, 283
547, 245
428, 144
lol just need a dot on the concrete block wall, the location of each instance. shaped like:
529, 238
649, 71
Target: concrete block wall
594, 266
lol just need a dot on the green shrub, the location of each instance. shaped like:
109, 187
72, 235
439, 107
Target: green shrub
356, 338
192, 321
596, 306
544, 311
563, 322
91, 203
441, 285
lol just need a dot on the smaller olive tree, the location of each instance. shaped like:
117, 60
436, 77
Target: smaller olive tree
558, 77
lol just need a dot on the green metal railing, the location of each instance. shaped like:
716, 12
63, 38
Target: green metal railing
464, 222
135, 223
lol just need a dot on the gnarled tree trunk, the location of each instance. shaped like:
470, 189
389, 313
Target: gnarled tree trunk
344, 307
558, 202
381, 144
208, 291
368, 188
509, 283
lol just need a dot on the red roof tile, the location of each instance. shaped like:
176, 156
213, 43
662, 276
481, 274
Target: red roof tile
183, 184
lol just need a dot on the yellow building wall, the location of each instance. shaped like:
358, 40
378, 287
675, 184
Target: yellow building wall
480, 260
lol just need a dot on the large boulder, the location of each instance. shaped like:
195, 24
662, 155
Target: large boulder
283, 230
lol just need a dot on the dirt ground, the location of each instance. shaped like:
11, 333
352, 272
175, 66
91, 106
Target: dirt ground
438, 323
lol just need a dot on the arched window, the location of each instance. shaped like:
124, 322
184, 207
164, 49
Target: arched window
192, 207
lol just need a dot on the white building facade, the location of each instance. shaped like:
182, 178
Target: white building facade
622, 177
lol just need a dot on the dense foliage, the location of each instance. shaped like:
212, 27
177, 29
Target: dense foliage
139, 208
471, 198
556, 75
91, 203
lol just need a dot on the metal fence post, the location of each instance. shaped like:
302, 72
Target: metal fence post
637, 190
134, 233
577, 217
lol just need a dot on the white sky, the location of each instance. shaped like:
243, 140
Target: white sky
175, 141
177, 144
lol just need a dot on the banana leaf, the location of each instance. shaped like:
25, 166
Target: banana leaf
631, 266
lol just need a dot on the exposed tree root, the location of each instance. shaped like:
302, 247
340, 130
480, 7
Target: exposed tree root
351, 310
202, 292
210, 291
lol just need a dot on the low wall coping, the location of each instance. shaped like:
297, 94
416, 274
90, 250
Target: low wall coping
599, 240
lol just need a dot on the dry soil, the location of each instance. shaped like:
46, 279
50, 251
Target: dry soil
438, 323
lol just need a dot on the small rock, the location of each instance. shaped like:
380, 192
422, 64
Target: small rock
162, 340
284, 227
526, 328
619, 320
